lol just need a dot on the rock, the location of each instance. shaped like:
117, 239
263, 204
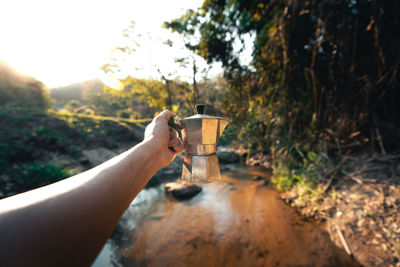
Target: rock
169, 173
98, 155
223, 168
182, 189
258, 178
172, 170
267, 164
259, 159
255, 163
62, 160
228, 157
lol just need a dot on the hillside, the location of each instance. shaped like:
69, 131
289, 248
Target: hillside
62, 95
40, 147
19, 89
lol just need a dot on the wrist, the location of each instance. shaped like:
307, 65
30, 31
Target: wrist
154, 150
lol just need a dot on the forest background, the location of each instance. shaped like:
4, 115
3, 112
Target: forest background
323, 82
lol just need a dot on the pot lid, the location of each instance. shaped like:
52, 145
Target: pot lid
199, 109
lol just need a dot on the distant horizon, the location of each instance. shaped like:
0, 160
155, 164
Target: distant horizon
99, 79
58, 50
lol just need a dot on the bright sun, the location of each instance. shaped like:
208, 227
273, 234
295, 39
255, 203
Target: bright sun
60, 42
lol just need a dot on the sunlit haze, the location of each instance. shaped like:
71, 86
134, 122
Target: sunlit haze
61, 42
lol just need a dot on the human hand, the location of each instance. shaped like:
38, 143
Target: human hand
163, 139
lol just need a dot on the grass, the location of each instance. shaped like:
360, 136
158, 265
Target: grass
35, 174
65, 114
29, 137
302, 180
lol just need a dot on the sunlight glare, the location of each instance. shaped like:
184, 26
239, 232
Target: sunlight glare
112, 82
61, 42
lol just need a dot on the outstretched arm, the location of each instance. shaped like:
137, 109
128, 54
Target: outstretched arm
68, 222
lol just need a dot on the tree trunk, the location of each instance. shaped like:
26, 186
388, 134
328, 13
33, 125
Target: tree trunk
195, 88
168, 102
167, 87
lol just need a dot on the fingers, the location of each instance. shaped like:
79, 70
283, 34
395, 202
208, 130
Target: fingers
176, 145
174, 142
173, 134
179, 149
165, 115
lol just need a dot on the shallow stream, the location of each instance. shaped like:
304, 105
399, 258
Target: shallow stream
234, 222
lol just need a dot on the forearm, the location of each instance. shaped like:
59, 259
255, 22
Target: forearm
78, 213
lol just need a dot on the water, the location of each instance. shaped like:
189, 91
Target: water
233, 222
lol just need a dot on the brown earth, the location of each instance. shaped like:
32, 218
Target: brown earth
362, 204
234, 222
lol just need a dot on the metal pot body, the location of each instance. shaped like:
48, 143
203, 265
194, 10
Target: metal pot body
200, 134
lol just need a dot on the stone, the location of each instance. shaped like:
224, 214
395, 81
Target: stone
225, 157
267, 164
98, 155
62, 160
224, 168
172, 170
182, 190
258, 178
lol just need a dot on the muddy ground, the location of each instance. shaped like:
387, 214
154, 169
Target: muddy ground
361, 207
238, 221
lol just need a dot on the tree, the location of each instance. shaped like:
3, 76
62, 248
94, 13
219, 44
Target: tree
174, 93
187, 26
322, 71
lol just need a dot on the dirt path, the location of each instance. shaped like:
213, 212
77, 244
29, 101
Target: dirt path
235, 222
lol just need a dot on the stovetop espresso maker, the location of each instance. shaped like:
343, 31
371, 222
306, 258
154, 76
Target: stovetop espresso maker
200, 135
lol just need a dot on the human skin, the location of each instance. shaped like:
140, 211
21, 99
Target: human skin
68, 222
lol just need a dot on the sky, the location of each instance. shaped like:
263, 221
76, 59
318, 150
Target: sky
64, 41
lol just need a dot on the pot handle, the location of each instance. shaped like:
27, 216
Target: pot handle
176, 123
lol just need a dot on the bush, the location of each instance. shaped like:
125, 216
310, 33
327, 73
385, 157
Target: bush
36, 174
125, 113
72, 105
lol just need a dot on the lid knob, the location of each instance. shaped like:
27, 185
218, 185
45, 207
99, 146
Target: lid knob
200, 108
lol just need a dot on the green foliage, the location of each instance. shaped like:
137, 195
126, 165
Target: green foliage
304, 179
76, 91
323, 74
36, 174
288, 175
125, 113
25, 133
30, 136
144, 97
148, 92
106, 103
72, 105
97, 128
141, 98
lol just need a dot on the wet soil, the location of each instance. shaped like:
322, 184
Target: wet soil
234, 222
361, 205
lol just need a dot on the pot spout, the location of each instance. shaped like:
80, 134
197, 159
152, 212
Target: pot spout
222, 124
